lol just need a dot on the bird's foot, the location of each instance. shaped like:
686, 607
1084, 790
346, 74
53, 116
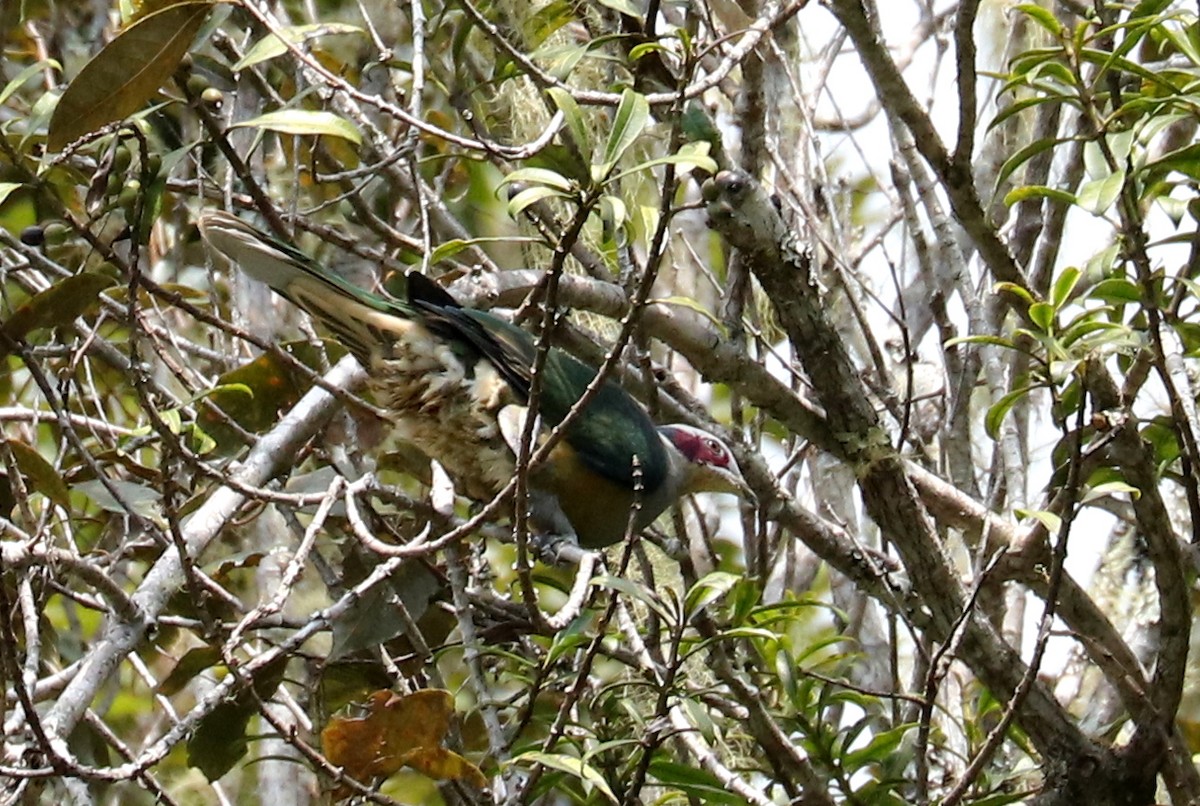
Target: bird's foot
557, 549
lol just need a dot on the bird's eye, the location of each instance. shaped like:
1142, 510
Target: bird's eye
715, 447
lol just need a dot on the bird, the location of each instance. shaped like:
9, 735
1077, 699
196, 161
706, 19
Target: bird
456, 381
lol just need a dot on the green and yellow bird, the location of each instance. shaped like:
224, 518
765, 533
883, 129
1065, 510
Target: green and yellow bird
457, 383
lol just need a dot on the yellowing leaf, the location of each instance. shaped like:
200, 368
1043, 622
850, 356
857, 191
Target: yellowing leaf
127, 72
57, 305
445, 765
398, 731
40, 475
305, 121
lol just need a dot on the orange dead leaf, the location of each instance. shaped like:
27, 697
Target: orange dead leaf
398, 731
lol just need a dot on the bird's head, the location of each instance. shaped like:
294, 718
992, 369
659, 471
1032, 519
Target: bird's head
708, 464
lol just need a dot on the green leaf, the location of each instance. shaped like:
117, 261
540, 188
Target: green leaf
141, 499
276, 44
633, 113
1063, 286
304, 122
1185, 160
1042, 314
699, 784
1148, 8
58, 305
127, 72
40, 475
450, 248
551, 17
1110, 488
574, 120
692, 155
539, 176
571, 766
613, 214
1038, 192
995, 341
1042, 17
707, 590
193, 662
37, 68
220, 740
531, 195
574, 636
1005, 287
1116, 290
7, 188
1021, 157
1051, 521
1099, 194
882, 746
999, 410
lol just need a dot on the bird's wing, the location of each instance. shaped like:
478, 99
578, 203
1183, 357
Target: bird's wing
606, 435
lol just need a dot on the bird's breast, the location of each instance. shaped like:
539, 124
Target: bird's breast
447, 406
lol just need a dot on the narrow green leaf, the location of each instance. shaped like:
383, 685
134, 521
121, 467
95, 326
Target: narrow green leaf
1051, 521
1042, 17
127, 72
995, 341
574, 120
633, 113
692, 155
1110, 488
1114, 332
450, 248
273, 45
1000, 409
1036, 192
1148, 8
304, 122
29, 72
1063, 286
539, 176
1021, 157
697, 783
546, 20
880, 748
571, 766
530, 196
1005, 287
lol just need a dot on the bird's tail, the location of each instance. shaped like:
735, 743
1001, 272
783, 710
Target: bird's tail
359, 319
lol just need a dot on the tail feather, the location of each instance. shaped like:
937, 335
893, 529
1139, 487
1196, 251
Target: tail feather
361, 320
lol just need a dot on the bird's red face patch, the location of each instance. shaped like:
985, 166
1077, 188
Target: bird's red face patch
699, 448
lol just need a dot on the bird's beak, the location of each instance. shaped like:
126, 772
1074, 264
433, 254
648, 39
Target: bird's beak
725, 480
